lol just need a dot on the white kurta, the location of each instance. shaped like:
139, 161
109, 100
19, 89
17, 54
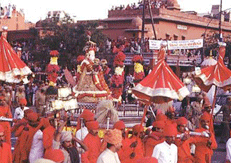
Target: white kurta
228, 150
37, 148
165, 153
107, 156
19, 113
82, 133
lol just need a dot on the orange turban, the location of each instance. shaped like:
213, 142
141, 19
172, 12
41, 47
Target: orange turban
23, 101
205, 116
170, 130
158, 124
2, 97
138, 128
92, 125
32, 117
147, 160
113, 136
55, 155
181, 121
161, 117
45, 122
87, 115
1, 128
119, 125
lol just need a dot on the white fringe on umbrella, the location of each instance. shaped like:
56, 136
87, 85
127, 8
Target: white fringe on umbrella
105, 109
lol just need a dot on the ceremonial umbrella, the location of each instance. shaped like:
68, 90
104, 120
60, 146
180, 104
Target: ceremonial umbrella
161, 85
218, 74
12, 68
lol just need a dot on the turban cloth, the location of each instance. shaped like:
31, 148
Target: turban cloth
182, 121
92, 125
147, 160
22, 101
45, 122
113, 136
66, 136
158, 124
1, 128
119, 125
2, 97
170, 130
55, 155
32, 117
87, 115
138, 128
205, 116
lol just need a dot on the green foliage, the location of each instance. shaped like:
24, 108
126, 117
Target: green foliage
71, 36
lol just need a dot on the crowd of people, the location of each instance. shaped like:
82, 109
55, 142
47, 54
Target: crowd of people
167, 139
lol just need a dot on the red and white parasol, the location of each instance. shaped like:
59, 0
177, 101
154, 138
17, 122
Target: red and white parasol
161, 85
218, 74
12, 68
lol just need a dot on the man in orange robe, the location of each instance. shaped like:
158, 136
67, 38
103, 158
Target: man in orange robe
204, 145
48, 133
154, 138
5, 112
5, 149
136, 144
183, 143
93, 143
126, 150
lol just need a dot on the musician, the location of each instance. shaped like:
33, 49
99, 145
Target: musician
156, 137
166, 152
5, 112
63, 140
183, 143
93, 143
204, 145
136, 143
126, 150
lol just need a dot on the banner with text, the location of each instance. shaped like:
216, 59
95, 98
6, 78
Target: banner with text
178, 44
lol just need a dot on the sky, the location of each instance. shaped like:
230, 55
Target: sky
96, 9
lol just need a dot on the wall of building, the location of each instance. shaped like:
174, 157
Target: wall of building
15, 22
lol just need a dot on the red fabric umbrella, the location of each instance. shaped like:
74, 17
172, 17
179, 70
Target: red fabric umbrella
218, 74
161, 85
12, 68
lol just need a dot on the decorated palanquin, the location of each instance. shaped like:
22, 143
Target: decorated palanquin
91, 87
138, 69
53, 67
80, 58
117, 79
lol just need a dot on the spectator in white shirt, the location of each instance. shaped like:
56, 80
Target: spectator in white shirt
113, 141
166, 152
19, 111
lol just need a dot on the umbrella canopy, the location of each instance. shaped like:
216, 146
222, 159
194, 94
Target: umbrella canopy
161, 85
217, 74
12, 68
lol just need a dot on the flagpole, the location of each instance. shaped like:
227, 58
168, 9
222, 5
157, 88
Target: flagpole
220, 33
